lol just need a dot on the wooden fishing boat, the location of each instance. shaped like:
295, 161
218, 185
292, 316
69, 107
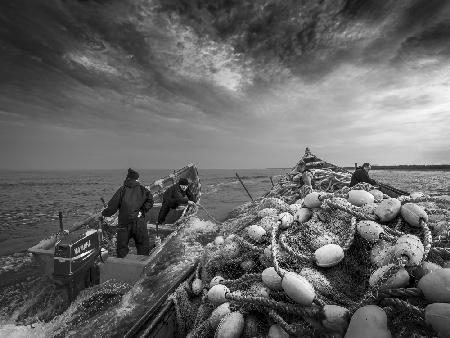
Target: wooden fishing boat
165, 317
83, 255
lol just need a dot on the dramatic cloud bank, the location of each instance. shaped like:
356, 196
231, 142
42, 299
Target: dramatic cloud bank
224, 84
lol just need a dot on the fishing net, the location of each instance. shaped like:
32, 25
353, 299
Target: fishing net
273, 231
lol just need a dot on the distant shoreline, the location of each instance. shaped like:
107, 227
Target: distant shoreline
408, 167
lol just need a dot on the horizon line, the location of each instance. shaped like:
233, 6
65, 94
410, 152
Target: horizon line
171, 169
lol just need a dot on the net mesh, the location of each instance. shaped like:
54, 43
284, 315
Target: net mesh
239, 261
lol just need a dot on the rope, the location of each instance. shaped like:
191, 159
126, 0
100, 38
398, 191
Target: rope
279, 271
348, 210
208, 214
399, 224
396, 293
290, 329
245, 278
351, 235
319, 302
437, 212
393, 232
428, 199
401, 305
387, 237
309, 312
442, 238
441, 251
427, 239
248, 245
197, 271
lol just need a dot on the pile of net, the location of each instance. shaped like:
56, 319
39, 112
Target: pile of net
335, 262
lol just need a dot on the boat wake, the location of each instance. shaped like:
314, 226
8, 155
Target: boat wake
109, 309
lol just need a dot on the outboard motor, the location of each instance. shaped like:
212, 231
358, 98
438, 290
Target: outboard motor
75, 261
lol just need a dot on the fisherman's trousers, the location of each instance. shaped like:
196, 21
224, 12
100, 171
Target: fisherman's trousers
137, 230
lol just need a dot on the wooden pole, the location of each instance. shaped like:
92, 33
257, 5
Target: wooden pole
271, 181
244, 186
389, 187
84, 222
356, 165
60, 216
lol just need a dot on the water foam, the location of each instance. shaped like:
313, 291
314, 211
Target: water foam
37, 330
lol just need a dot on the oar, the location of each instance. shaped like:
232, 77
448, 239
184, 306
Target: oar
244, 186
387, 186
82, 223
61, 226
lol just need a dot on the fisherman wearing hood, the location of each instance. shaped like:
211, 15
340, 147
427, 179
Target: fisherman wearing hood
361, 175
174, 196
133, 201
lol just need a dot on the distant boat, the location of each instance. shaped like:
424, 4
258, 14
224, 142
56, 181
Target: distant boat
77, 259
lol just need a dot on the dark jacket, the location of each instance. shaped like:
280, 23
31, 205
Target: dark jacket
174, 196
359, 176
129, 199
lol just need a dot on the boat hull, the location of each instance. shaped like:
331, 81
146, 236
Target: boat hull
130, 268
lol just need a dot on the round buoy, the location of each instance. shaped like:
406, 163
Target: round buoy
217, 294
312, 200
436, 286
256, 233
271, 279
231, 326
303, 215
219, 312
437, 315
298, 288
360, 197
369, 230
388, 209
219, 240
413, 214
329, 255
399, 280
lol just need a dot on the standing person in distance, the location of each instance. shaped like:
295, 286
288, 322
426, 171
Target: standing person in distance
307, 178
133, 201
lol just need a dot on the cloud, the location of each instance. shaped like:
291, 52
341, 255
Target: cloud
350, 78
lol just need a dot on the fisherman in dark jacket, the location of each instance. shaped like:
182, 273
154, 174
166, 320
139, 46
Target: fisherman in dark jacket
174, 196
361, 174
133, 201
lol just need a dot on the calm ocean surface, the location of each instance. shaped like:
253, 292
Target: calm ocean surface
30, 201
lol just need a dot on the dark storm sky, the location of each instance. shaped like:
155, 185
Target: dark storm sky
223, 84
